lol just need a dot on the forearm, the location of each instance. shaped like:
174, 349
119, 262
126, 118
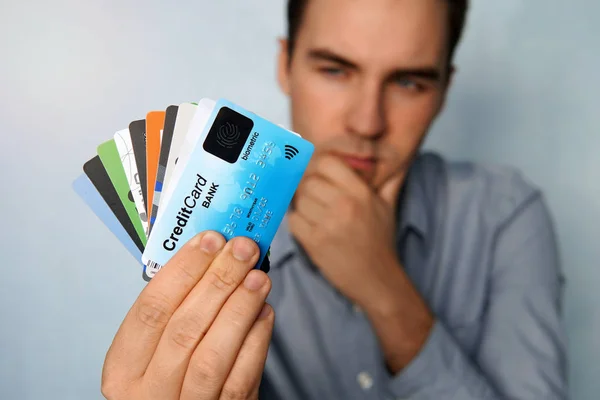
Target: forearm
519, 348
422, 358
401, 319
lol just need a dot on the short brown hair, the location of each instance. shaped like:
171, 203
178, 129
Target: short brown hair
458, 12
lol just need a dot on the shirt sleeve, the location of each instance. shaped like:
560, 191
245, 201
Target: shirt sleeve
522, 350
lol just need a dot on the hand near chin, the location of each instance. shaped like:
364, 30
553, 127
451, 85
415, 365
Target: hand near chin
346, 227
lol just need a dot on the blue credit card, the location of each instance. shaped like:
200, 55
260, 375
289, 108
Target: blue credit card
239, 181
86, 190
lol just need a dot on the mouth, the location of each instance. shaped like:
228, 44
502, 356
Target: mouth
359, 163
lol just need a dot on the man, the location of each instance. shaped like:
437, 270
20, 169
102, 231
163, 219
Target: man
395, 274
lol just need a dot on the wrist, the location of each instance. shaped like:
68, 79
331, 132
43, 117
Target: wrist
385, 297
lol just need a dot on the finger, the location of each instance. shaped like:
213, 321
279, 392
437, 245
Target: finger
343, 177
191, 321
390, 189
245, 376
320, 189
215, 355
137, 338
312, 210
300, 227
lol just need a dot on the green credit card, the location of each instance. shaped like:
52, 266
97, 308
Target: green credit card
109, 155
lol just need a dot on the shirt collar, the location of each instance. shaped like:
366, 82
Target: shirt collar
412, 214
414, 204
283, 245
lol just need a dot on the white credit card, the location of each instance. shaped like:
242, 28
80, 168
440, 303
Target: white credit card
125, 148
186, 146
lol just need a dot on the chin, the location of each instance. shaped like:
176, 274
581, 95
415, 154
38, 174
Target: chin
371, 178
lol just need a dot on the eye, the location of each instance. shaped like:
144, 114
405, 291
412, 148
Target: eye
408, 83
333, 71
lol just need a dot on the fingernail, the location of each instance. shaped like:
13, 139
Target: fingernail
243, 250
266, 310
255, 280
210, 243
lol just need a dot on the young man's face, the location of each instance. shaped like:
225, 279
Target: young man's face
367, 78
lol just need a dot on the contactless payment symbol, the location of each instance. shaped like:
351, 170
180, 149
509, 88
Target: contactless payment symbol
290, 151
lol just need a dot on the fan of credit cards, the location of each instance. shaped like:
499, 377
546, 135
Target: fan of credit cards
190, 168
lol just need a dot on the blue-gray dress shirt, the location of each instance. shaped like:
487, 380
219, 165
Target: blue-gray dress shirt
479, 245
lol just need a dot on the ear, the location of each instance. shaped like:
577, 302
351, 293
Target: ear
283, 67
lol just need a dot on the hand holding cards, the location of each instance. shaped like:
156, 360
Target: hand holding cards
210, 166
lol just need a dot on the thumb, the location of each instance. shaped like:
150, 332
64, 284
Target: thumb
390, 189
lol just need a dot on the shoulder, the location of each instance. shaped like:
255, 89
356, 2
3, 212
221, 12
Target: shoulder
494, 192
489, 214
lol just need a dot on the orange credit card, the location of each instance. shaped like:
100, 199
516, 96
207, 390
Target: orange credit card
155, 122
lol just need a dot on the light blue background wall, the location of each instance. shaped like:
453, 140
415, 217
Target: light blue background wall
73, 72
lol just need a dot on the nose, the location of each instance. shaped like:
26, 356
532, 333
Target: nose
366, 116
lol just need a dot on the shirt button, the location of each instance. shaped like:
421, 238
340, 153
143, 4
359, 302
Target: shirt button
356, 309
365, 380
